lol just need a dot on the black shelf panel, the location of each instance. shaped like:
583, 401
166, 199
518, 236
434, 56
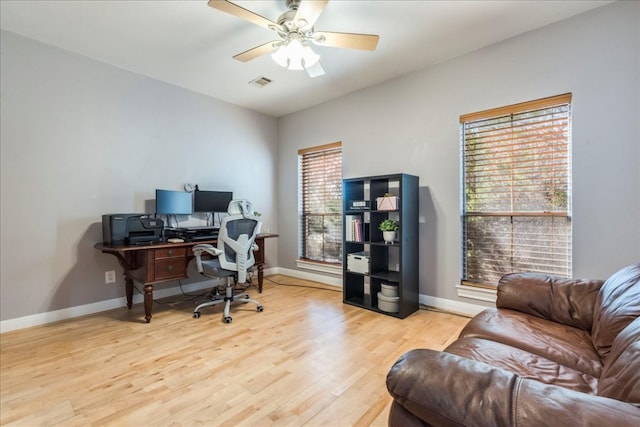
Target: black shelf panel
375, 243
355, 301
355, 272
391, 276
383, 243
360, 303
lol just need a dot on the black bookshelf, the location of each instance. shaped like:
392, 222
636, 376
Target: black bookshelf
392, 264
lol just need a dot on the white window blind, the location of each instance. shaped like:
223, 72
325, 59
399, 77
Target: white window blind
517, 190
320, 203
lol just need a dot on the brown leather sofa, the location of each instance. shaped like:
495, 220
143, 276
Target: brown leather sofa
554, 352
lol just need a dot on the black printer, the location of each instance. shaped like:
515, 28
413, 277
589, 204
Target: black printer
131, 229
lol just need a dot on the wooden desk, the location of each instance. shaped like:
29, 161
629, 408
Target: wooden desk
164, 262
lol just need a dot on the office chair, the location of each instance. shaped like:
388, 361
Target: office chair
233, 256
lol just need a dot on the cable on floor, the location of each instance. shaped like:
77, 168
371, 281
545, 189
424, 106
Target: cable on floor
304, 286
236, 289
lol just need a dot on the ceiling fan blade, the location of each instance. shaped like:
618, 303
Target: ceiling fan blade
315, 70
309, 11
241, 12
250, 54
348, 40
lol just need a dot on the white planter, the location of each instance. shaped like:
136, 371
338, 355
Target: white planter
389, 236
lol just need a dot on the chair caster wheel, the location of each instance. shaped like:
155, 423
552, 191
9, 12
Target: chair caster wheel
227, 320
196, 314
260, 308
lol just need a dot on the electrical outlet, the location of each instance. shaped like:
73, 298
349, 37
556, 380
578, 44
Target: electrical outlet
109, 276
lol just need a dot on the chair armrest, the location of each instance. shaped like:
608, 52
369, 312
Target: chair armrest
567, 301
445, 389
198, 250
210, 249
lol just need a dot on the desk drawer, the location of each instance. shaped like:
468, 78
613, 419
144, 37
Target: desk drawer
170, 253
170, 268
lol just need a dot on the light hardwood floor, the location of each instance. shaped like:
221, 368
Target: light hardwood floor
306, 360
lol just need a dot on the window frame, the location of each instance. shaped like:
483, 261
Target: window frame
330, 251
517, 114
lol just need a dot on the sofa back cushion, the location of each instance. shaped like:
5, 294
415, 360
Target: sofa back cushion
620, 377
567, 301
617, 305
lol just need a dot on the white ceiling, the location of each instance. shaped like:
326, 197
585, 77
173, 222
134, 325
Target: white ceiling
188, 44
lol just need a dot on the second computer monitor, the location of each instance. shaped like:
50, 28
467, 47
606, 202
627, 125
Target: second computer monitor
169, 202
211, 201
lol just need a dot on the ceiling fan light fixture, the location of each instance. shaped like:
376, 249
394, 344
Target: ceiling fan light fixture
296, 32
295, 55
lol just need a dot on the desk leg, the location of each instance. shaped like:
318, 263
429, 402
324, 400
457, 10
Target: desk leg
260, 277
126, 262
148, 302
128, 287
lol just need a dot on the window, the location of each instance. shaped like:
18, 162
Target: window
517, 190
320, 203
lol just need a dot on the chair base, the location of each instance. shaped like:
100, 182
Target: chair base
227, 300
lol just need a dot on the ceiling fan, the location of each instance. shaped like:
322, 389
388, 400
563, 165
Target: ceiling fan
295, 29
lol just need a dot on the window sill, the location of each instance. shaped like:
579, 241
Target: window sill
477, 293
320, 267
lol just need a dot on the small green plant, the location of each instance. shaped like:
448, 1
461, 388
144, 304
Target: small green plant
388, 225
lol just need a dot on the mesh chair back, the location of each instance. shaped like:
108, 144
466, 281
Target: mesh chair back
236, 238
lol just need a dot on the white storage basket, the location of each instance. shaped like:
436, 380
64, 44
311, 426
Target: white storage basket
388, 304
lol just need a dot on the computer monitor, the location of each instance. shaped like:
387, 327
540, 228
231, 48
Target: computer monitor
211, 201
170, 202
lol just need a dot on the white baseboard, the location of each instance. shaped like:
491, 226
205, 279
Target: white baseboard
57, 315
443, 304
83, 310
333, 281
451, 306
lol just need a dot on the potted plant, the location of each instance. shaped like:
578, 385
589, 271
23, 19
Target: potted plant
389, 228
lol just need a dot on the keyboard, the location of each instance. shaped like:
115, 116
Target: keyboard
191, 234
200, 228
208, 236
200, 233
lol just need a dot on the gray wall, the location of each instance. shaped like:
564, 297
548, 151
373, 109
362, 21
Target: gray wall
411, 125
81, 138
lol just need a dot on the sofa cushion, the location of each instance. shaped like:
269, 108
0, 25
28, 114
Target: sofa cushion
443, 389
567, 301
621, 374
617, 305
523, 364
559, 343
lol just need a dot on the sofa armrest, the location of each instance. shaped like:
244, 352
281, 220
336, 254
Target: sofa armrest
567, 301
444, 389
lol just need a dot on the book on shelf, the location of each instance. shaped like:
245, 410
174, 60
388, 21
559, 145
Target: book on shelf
354, 228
